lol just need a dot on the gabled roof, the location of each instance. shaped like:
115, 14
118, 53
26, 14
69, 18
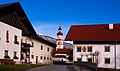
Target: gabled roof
17, 8
5, 9
65, 50
93, 33
44, 41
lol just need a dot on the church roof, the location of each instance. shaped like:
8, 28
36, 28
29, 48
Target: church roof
20, 21
59, 33
60, 28
100, 32
64, 50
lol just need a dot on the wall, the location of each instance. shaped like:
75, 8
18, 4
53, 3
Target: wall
36, 51
11, 47
102, 54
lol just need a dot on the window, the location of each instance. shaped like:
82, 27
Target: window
107, 48
107, 60
41, 57
89, 59
32, 44
41, 47
44, 58
78, 49
32, 56
15, 55
6, 52
16, 39
48, 49
89, 48
7, 36
50, 58
78, 59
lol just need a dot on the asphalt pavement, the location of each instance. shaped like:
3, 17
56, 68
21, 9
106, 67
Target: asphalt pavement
53, 67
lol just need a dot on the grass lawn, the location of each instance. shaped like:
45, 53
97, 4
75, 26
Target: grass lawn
17, 67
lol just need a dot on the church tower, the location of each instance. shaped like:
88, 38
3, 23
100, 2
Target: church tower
59, 40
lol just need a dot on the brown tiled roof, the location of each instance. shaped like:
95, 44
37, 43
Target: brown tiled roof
5, 9
59, 33
65, 50
44, 41
93, 33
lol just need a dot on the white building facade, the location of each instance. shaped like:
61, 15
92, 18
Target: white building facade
41, 53
105, 58
19, 43
10, 42
98, 44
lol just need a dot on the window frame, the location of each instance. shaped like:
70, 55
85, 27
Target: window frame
41, 57
16, 39
15, 54
44, 58
90, 50
79, 59
90, 60
6, 52
41, 47
32, 44
107, 48
108, 60
48, 49
79, 48
7, 36
32, 56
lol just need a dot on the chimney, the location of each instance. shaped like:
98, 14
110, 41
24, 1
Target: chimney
111, 27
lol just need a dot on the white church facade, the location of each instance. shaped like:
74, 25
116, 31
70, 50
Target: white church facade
60, 53
98, 44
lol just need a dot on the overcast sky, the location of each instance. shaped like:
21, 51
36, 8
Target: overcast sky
47, 15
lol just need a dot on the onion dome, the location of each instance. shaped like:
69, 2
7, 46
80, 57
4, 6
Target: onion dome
59, 33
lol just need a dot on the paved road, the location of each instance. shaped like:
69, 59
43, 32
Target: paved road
56, 68
82, 68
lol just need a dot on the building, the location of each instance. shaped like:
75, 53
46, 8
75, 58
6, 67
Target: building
59, 40
60, 54
41, 52
98, 44
19, 42
10, 42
